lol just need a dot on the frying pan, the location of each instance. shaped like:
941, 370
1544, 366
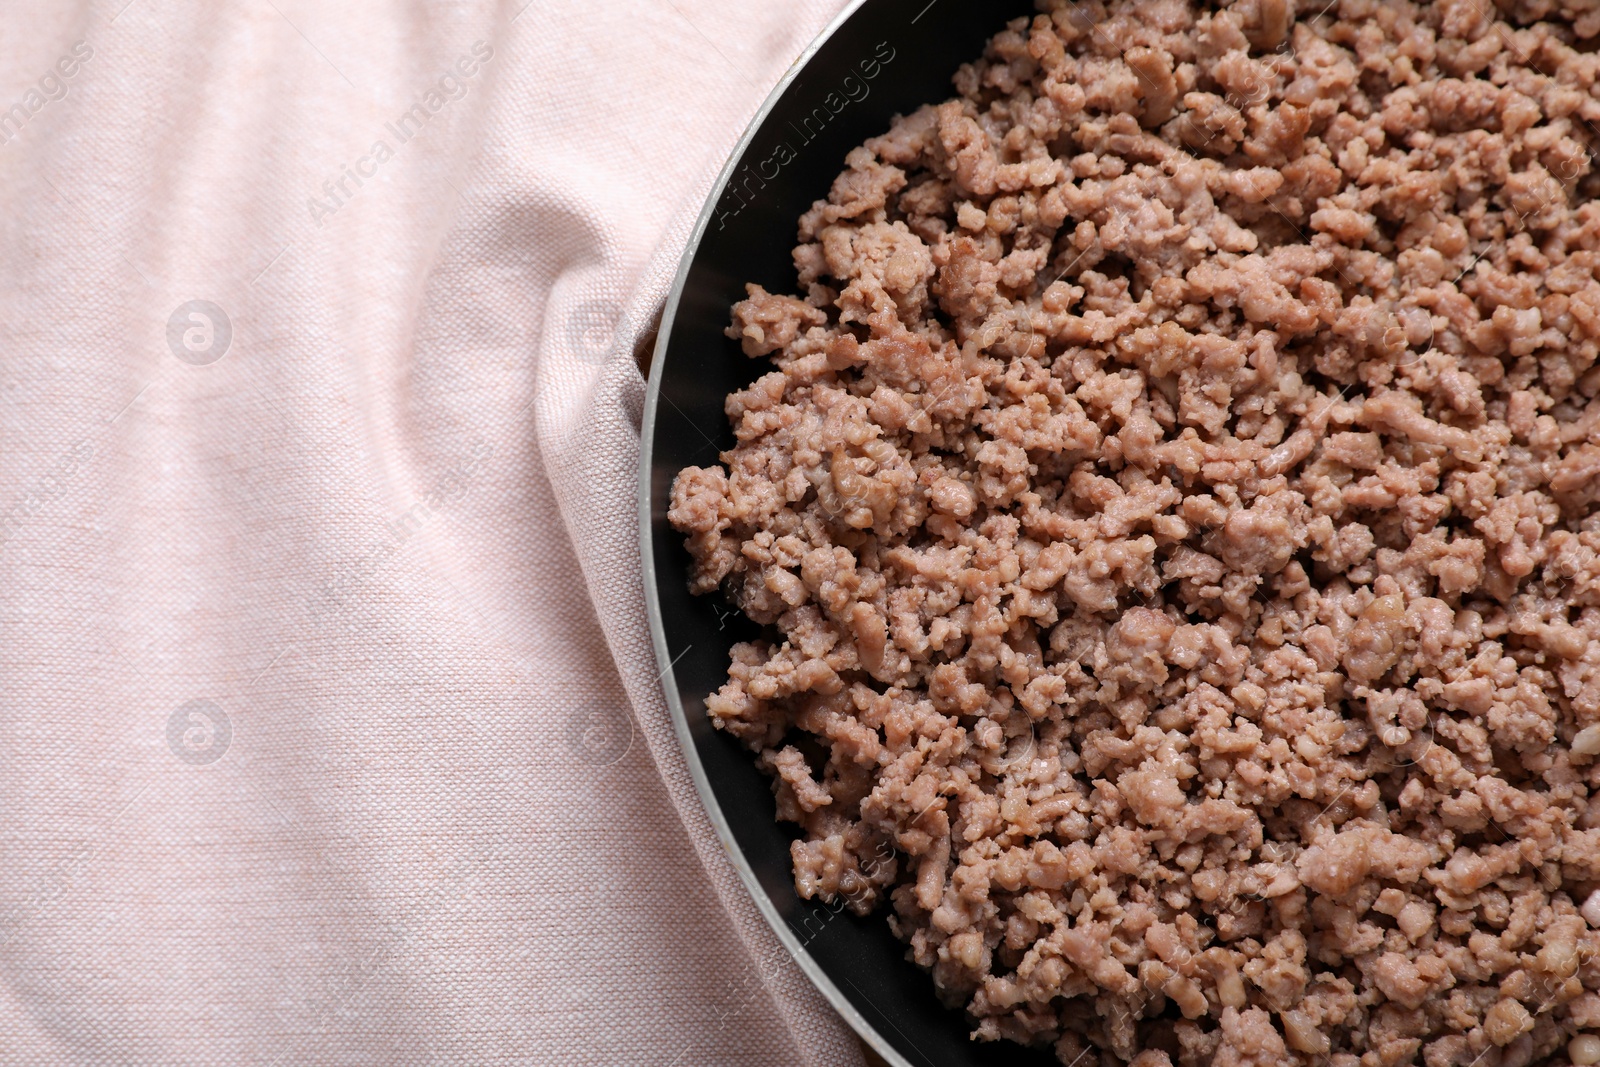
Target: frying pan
879, 58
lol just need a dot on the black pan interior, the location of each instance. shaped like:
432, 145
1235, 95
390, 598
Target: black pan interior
891, 56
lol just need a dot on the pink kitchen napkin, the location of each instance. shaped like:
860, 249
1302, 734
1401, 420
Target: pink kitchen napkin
329, 723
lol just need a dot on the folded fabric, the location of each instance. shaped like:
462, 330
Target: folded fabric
330, 730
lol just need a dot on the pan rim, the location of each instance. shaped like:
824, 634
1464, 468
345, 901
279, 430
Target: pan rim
658, 638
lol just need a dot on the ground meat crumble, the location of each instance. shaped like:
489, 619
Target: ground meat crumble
1174, 516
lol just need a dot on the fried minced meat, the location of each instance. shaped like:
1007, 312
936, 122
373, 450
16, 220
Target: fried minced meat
1173, 515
